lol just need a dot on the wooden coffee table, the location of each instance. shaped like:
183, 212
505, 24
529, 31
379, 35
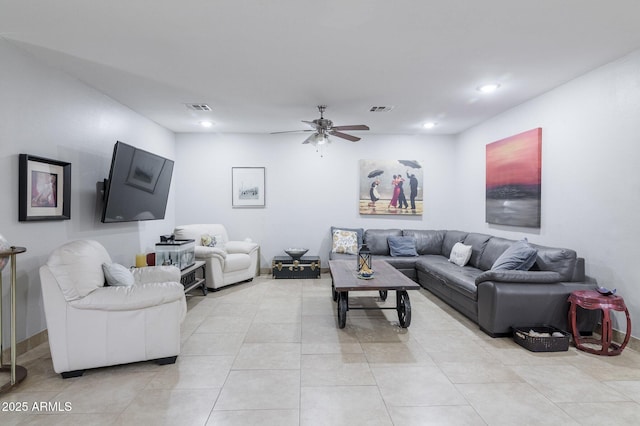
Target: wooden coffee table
385, 278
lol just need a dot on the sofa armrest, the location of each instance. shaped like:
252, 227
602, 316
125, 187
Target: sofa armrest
531, 277
156, 274
240, 247
129, 298
203, 252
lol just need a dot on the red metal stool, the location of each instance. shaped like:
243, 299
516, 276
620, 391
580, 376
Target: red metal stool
591, 300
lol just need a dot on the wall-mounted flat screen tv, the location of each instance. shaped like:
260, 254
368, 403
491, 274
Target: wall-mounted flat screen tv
138, 185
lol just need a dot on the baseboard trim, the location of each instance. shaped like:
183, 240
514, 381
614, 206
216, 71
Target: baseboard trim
27, 344
618, 337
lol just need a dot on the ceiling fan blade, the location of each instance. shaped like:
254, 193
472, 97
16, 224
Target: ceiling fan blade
310, 138
344, 136
291, 131
351, 127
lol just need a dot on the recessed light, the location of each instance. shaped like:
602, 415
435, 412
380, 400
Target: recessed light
429, 125
488, 88
206, 124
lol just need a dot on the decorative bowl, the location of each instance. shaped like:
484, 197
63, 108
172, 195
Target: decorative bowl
605, 291
296, 253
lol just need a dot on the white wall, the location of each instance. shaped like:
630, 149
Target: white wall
590, 180
305, 193
46, 113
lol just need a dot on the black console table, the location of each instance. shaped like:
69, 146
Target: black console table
190, 280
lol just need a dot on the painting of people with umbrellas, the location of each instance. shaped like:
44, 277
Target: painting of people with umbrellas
391, 187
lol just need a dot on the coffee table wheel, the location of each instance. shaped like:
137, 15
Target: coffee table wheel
404, 308
334, 293
342, 309
383, 295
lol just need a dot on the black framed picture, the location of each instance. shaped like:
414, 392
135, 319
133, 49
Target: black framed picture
44, 189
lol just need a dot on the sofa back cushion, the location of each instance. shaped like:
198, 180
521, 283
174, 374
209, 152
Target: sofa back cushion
477, 243
450, 239
77, 267
197, 231
376, 240
560, 260
427, 241
492, 251
520, 256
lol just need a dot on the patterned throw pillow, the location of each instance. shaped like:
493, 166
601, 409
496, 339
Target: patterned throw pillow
207, 240
212, 241
345, 242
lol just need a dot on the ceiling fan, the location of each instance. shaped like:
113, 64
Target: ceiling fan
323, 128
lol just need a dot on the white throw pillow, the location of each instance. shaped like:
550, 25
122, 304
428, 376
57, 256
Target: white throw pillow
460, 254
117, 274
345, 242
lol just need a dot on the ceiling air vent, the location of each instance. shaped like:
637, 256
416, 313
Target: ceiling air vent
380, 108
198, 107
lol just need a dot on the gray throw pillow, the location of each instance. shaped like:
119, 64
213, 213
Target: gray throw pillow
402, 246
520, 256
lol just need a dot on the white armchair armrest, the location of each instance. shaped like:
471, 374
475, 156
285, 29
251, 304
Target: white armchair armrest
128, 298
203, 252
156, 274
240, 247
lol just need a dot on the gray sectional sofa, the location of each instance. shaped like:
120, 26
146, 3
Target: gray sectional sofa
496, 300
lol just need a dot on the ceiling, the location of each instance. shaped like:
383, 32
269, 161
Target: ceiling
263, 66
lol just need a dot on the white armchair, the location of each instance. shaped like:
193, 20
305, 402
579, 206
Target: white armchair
227, 262
92, 325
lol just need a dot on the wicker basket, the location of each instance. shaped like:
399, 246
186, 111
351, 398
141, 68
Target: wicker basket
541, 344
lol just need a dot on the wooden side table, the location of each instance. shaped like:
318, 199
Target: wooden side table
17, 373
591, 300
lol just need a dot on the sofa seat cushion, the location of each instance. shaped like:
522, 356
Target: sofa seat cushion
398, 262
236, 262
459, 279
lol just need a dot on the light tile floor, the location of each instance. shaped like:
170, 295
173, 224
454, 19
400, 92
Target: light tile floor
269, 353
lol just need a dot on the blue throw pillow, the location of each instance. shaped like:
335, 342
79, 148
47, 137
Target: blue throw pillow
402, 246
520, 256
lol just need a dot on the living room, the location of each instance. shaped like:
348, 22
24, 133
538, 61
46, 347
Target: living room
589, 184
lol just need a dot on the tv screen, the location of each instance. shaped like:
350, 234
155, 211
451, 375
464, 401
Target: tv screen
138, 185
